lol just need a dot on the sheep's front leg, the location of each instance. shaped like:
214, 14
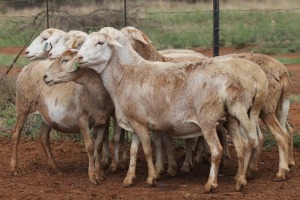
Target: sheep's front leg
211, 137
84, 128
45, 141
128, 181
143, 134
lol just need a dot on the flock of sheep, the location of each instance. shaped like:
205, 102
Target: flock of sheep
89, 79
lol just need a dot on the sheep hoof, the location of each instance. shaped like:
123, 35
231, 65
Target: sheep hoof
185, 168
151, 181
113, 167
128, 182
240, 184
291, 163
94, 181
209, 188
16, 173
172, 171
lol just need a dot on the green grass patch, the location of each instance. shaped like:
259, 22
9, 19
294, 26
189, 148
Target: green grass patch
287, 61
7, 60
295, 99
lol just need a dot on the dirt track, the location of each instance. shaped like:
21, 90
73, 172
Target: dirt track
72, 181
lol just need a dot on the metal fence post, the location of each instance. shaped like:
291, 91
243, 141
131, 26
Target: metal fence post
47, 13
125, 13
216, 28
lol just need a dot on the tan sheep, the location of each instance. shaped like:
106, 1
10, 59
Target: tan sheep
67, 108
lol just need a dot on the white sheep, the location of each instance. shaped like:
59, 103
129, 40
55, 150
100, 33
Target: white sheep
71, 40
275, 109
188, 92
42, 44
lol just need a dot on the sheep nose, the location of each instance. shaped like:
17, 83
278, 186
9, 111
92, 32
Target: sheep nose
45, 77
80, 57
27, 52
50, 54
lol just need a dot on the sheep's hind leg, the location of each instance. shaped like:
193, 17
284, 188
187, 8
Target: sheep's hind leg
101, 132
45, 141
240, 143
21, 118
211, 137
281, 136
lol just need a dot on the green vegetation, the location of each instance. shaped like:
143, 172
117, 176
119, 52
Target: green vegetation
7, 60
295, 99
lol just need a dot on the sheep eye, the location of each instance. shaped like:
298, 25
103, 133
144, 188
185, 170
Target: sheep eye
44, 39
65, 60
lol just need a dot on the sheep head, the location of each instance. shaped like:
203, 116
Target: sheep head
96, 51
41, 45
63, 69
71, 40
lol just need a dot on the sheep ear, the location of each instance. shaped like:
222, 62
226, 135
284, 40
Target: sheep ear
138, 36
75, 42
114, 42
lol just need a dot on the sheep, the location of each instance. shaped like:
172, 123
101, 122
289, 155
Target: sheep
275, 110
141, 44
41, 45
67, 108
277, 103
187, 89
71, 40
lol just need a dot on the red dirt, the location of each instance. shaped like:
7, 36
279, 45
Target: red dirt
72, 181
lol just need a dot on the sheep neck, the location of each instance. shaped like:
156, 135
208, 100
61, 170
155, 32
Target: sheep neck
92, 84
127, 55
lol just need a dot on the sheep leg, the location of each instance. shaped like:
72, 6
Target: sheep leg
282, 114
21, 118
222, 134
117, 141
188, 160
123, 149
240, 143
281, 137
172, 165
128, 181
202, 151
211, 137
159, 158
45, 141
101, 132
106, 158
143, 134
84, 128
291, 143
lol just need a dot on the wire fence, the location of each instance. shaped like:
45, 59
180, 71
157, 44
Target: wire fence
168, 25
